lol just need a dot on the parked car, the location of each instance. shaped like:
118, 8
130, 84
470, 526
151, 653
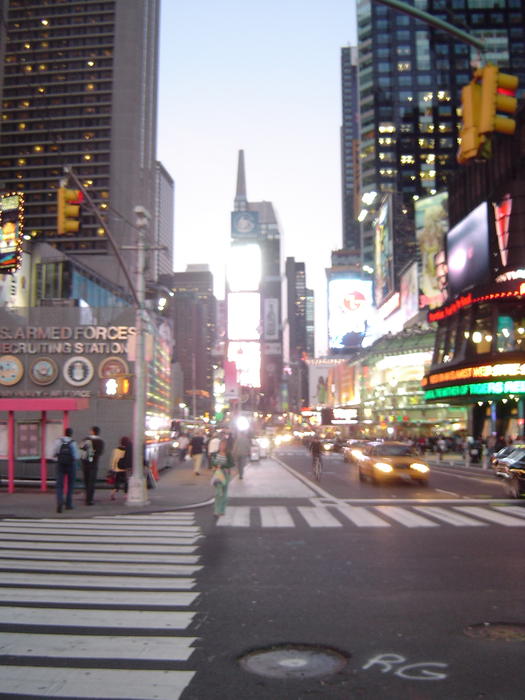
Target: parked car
511, 469
384, 461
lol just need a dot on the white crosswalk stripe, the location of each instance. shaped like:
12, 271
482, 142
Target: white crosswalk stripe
341, 514
67, 590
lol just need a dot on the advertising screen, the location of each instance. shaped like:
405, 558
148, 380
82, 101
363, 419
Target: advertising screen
247, 358
349, 312
244, 316
244, 267
468, 252
431, 218
383, 253
11, 206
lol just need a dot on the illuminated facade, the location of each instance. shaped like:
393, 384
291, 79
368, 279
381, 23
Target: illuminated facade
255, 334
410, 77
479, 354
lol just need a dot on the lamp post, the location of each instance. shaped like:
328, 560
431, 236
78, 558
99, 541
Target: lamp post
137, 492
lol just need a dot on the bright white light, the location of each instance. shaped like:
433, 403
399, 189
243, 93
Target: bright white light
247, 358
369, 198
244, 267
242, 423
244, 316
362, 215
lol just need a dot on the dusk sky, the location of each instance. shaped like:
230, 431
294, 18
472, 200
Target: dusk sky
264, 77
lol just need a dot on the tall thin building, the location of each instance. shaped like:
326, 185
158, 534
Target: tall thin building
410, 79
350, 151
79, 89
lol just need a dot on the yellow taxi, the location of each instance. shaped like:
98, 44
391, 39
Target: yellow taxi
386, 461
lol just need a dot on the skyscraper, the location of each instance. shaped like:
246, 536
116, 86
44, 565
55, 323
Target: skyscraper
254, 226
410, 78
79, 90
350, 151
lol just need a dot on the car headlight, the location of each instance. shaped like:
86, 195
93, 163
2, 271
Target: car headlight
384, 467
327, 447
357, 454
175, 444
419, 467
264, 442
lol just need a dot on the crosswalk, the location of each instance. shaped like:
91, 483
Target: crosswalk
98, 608
340, 514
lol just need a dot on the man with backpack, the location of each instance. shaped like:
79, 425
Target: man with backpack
67, 456
91, 448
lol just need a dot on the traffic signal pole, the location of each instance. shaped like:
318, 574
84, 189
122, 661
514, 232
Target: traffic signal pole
435, 22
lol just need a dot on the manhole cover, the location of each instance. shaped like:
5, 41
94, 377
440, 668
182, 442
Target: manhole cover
294, 661
502, 631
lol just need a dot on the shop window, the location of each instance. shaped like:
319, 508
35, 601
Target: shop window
481, 335
28, 440
510, 333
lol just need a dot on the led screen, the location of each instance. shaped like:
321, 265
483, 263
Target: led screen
431, 226
247, 358
244, 267
244, 316
349, 312
383, 253
468, 252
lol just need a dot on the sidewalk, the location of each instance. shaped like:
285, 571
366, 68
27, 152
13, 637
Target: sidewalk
177, 488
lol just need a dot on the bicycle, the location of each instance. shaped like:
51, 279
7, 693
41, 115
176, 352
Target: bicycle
317, 467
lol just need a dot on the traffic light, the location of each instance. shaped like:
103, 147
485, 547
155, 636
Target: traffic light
68, 210
470, 136
117, 387
497, 95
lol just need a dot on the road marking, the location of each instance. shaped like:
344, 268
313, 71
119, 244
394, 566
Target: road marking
154, 560
93, 646
235, 516
94, 683
492, 515
361, 516
449, 516
100, 530
78, 567
85, 617
276, 516
513, 510
91, 546
144, 583
405, 517
117, 540
318, 517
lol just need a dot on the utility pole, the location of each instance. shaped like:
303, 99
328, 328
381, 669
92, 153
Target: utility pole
137, 492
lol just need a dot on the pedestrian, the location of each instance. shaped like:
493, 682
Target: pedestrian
121, 464
196, 449
222, 464
213, 447
183, 446
241, 450
67, 455
91, 448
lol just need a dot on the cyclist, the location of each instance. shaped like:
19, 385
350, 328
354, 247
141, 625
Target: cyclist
316, 449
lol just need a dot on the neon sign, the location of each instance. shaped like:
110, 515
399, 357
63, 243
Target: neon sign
503, 369
468, 300
511, 386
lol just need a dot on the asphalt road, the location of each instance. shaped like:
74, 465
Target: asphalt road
339, 590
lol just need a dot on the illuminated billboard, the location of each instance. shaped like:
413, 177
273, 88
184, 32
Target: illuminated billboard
244, 316
431, 218
247, 358
383, 253
244, 267
11, 228
468, 252
349, 312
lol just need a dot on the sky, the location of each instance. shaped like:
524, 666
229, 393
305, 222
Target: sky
263, 76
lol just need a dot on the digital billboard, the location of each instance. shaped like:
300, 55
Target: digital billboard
11, 225
247, 358
244, 316
244, 267
349, 312
383, 253
431, 218
468, 259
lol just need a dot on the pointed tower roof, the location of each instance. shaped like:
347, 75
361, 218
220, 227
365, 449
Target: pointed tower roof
241, 203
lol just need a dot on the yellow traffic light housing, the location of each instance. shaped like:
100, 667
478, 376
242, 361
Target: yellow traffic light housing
471, 140
68, 210
497, 95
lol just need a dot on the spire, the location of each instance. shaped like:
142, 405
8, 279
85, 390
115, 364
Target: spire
240, 196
